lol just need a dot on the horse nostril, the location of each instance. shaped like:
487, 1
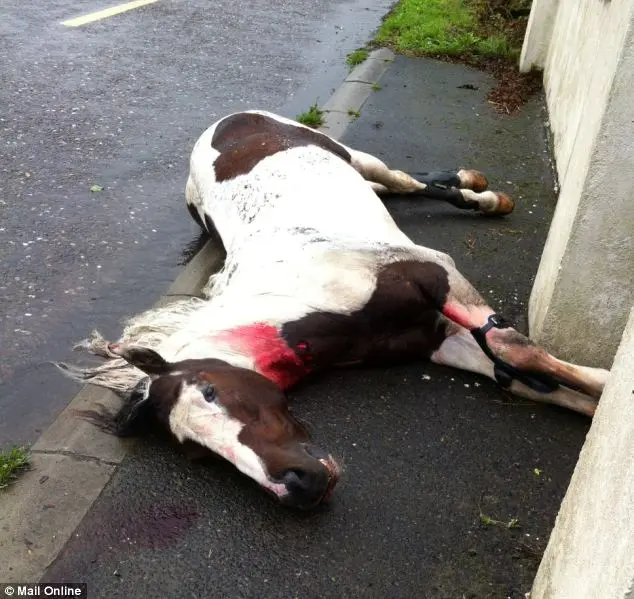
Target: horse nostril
305, 486
297, 478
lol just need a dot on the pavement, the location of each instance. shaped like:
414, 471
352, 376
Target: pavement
119, 103
437, 462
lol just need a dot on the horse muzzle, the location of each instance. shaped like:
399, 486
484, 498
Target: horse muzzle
311, 484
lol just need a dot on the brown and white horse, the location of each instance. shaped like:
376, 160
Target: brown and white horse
317, 275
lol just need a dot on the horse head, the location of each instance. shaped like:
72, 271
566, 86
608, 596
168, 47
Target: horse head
237, 414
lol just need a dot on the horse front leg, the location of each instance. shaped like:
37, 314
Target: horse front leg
464, 189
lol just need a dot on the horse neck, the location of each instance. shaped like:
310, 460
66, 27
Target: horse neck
244, 332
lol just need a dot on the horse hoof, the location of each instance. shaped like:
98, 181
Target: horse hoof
474, 180
503, 205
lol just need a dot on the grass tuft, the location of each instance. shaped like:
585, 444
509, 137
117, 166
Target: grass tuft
13, 461
445, 27
357, 57
354, 114
313, 117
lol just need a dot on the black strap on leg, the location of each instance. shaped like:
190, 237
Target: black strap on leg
440, 179
444, 186
451, 195
504, 373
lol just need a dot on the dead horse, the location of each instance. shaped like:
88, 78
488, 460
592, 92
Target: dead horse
317, 275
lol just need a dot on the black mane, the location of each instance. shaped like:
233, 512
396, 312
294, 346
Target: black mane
134, 417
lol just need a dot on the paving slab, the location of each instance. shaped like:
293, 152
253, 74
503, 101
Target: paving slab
45, 500
431, 456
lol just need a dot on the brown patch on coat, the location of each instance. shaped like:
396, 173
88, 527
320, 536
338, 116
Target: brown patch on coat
400, 322
245, 139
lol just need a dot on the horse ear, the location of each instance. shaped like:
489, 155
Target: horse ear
143, 358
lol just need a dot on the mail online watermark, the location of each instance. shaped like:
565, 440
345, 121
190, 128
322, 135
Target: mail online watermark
45, 589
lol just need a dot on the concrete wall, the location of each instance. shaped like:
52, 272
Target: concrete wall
539, 31
590, 554
585, 284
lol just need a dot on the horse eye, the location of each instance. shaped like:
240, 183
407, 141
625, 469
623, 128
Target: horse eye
209, 392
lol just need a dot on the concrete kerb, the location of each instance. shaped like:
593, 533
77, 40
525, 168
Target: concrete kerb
73, 460
347, 101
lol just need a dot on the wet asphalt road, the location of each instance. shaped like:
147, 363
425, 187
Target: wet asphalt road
119, 103
427, 451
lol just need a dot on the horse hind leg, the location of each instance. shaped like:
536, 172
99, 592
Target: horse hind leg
490, 346
492, 203
461, 350
464, 189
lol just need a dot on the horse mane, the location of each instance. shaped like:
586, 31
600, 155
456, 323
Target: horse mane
149, 329
130, 419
